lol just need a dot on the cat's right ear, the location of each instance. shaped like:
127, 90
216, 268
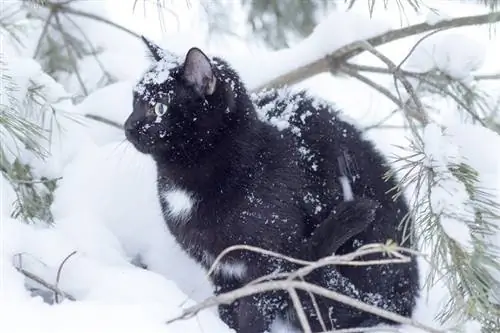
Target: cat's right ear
155, 50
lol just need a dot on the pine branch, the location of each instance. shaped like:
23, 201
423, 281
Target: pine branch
463, 269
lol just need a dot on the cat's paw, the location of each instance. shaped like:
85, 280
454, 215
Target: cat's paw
363, 211
348, 219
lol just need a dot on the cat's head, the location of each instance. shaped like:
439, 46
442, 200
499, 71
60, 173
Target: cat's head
185, 102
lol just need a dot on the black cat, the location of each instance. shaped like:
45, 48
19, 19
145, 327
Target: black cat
227, 176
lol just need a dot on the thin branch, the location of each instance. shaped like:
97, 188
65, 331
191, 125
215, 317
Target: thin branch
300, 310
417, 75
384, 91
340, 55
367, 330
104, 120
59, 270
43, 33
487, 77
418, 114
249, 290
44, 283
414, 47
67, 44
89, 42
98, 18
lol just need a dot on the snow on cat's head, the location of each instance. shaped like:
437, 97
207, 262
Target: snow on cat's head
178, 101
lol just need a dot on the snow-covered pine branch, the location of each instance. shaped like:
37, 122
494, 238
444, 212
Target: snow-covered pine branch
31, 101
458, 208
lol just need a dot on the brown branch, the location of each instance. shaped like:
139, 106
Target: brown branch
348, 51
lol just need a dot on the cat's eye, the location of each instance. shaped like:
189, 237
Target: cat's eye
160, 109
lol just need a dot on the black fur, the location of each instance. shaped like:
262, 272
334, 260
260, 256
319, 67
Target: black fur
251, 183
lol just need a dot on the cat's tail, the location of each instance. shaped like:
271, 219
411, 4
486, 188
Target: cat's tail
346, 220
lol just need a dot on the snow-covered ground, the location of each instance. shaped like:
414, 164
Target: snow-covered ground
105, 206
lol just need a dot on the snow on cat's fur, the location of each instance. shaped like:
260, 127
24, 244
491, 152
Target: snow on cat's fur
228, 175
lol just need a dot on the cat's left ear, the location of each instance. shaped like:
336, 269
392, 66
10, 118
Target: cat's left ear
198, 72
155, 50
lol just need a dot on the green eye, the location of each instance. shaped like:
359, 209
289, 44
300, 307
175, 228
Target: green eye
160, 109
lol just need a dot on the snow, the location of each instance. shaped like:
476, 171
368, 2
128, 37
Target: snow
106, 208
450, 52
325, 39
434, 17
445, 148
448, 196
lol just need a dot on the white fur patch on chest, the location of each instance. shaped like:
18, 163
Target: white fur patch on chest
236, 270
280, 325
180, 203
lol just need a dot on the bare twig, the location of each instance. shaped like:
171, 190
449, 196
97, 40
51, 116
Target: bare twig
89, 42
346, 259
59, 270
70, 54
99, 19
417, 75
495, 76
104, 120
367, 330
300, 310
43, 33
418, 114
249, 290
44, 283
316, 308
384, 91
257, 250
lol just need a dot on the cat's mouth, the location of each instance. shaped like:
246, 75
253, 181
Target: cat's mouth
141, 139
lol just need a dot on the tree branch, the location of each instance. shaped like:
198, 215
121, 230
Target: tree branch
44, 283
348, 51
249, 290
104, 120
95, 17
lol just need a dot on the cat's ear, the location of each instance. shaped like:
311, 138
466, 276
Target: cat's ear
198, 72
155, 50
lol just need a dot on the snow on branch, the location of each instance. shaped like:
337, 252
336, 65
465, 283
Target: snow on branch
457, 212
376, 34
